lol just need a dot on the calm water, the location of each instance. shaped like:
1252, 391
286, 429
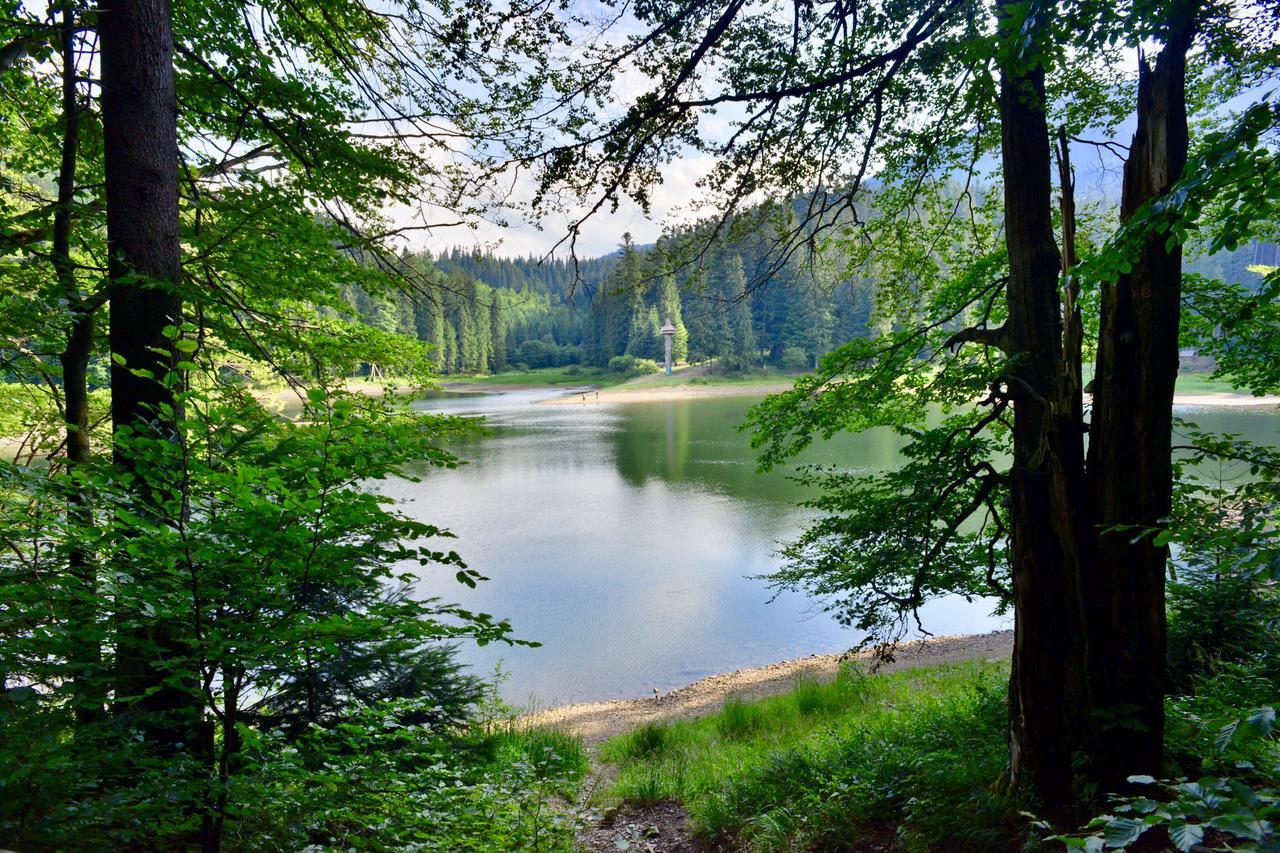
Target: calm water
624, 538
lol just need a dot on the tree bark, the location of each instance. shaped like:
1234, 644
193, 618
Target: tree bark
85, 653
1129, 454
1044, 684
139, 118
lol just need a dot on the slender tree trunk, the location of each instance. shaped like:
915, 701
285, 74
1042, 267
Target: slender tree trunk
1044, 684
86, 651
139, 118
1129, 453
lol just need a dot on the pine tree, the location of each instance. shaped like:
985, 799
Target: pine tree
497, 334
731, 294
669, 312
478, 308
638, 327
450, 362
745, 350
406, 315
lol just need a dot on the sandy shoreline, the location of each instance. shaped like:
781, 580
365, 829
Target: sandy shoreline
595, 722
655, 394
1224, 401
648, 390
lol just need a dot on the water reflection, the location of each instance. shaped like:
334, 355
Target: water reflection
624, 538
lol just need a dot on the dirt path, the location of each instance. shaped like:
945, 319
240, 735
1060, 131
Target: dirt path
598, 721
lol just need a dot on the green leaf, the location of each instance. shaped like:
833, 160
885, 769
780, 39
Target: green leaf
1123, 831
1185, 835
1241, 826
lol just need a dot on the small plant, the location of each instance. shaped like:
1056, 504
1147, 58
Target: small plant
651, 739
556, 751
1185, 811
739, 719
814, 698
650, 788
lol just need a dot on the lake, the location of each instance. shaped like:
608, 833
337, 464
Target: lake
625, 538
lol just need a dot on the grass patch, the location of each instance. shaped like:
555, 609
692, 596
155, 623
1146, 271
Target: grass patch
648, 740
762, 376
738, 720
1201, 383
826, 765
571, 375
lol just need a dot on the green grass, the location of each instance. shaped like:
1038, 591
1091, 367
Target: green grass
913, 753
1189, 383
763, 376
572, 375
546, 747
1200, 383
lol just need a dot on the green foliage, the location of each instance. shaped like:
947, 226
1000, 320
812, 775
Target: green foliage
207, 634
646, 741
1221, 620
1241, 812
1224, 608
846, 692
281, 580
910, 754
738, 719
31, 413
373, 783
629, 366
884, 544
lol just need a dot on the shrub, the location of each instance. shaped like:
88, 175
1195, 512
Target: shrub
629, 366
1224, 620
1241, 804
794, 358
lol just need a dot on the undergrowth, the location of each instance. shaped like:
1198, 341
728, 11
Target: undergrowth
914, 754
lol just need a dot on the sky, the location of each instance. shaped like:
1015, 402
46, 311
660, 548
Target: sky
600, 235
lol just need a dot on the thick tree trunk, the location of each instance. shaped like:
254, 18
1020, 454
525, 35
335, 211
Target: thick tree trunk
1129, 452
1044, 685
139, 118
85, 651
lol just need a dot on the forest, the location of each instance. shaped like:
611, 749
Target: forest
485, 314
977, 232
482, 313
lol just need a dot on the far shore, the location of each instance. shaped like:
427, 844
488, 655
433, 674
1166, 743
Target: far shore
688, 391
596, 722
648, 390
1224, 400
657, 393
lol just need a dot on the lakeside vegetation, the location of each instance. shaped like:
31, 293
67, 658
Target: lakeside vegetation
212, 635
572, 375
913, 760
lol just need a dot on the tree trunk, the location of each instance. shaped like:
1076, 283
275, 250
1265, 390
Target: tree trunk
139, 118
85, 652
1129, 453
1045, 683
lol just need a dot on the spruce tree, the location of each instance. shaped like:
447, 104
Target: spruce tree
497, 334
638, 343
669, 312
